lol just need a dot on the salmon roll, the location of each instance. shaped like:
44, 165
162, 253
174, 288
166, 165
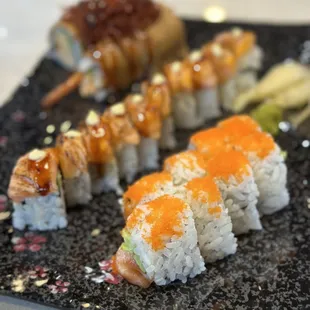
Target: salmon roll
157, 94
213, 224
205, 86
147, 188
270, 171
234, 176
225, 65
185, 166
125, 141
185, 109
148, 122
74, 168
102, 163
36, 191
160, 241
210, 141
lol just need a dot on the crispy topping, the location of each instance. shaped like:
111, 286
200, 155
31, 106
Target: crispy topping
204, 189
260, 143
137, 98
37, 155
92, 118
236, 31
72, 134
228, 164
217, 50
195, 56
176, 66
118, 109
158, 79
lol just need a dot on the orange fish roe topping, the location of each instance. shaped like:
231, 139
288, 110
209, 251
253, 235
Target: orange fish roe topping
210, 140
146, 184
165, 220
189, 159
134, 218
260, 143
228, 163
215, 210
239, 125
205, 185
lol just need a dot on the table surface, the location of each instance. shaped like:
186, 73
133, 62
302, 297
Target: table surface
23, 39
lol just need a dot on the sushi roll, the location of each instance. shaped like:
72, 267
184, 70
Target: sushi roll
185, 109
74, 168
234, 176
125, 141
36, 191
225, 66
249, 54
185, 166
158, 96
270, 171
147, 188
102, 163
210, 141
160, 244
205, 86
213, 224
148, 123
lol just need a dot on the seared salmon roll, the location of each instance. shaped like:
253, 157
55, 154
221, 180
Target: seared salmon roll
225, 65
160, 244
234, 176
185, 166
158, 95
74, 168
36, 191
212, 221
269, 168
185, 109
147, 188
125, 140
205, 86
148, 122
102, 163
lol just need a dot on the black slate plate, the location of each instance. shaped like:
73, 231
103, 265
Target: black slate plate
270, 270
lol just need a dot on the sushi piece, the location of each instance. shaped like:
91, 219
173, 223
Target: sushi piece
102, 163
74, 168
185, 109
225, 66
125, 141
148, 123
234, 176
239, 125
185, 166
36, 191
210, 141
160, 244
213, 224
270, 171
250, 56
145, 189
158, 96
205, 86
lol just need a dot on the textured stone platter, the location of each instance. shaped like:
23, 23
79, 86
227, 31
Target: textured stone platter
271, 269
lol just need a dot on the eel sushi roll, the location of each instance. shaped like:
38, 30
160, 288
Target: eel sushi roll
225, 66
160, 244
102, 164
125, 139
270, 171
205, 86
36, 191
158, 96
234, 176
213, 224
145, 189
148, 123
210, 141
74, 167
185, 166
249, 54
185, 109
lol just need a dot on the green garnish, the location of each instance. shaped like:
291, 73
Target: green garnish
284, 154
